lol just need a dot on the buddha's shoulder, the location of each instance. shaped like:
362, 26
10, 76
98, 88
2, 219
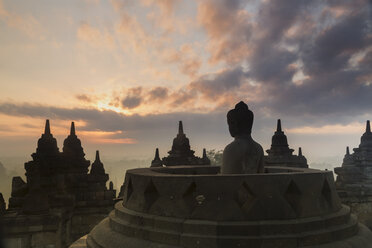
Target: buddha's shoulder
257, 146
242, 144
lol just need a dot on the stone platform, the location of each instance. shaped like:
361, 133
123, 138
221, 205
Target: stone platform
197, 207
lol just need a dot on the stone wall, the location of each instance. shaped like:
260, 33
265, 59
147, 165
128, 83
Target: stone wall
187, 193
32, 231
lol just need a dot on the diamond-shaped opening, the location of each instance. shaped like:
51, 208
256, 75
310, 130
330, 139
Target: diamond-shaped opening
327, 193
129, 190
189, 196
293, 197
151, 194
245, 196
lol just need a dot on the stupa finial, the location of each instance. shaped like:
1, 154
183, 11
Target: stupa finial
157, 154
47, 127
72, 129
347, 151
97, 156
368, 127
279, 126
299, 151
180, 127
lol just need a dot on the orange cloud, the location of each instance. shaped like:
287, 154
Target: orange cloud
105, 137
166, 6
26, 24
352, 128
188, 61
228, 28
131, 32
94, 36
113, 141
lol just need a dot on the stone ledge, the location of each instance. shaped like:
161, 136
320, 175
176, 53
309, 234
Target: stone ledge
102, 236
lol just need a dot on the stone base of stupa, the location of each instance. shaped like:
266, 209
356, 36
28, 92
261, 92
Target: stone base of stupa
120, 230
360, 202
197, 207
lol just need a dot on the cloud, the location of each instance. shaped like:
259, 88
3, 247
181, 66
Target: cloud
130, 102
164, 17
85, 98
183, 98
166, 6
286, 57
333, 48
214, 86
131, 33
294, 64
188, 61
118, 125
229, 28
133, 98
94, 36
158, 94
352, 128
95, 2
27, 24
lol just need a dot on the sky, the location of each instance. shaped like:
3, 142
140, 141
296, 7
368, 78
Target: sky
127, 71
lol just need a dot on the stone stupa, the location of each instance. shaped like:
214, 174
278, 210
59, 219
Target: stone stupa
280, 154
181, 153
354, 178
60, 201
198, 207
156, 162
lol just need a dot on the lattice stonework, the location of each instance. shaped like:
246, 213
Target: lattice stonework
151, 194
293, 197
245, 197
189, 196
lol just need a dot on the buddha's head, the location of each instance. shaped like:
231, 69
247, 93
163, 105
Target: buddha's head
240, 120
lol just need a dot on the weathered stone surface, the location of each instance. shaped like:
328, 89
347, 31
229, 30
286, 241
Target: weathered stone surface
285, 207
2, 205
43, 239
354, 178
80, 243
280, 154
247, 196
243, 155
19, 187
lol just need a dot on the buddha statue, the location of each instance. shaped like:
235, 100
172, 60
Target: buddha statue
243, 155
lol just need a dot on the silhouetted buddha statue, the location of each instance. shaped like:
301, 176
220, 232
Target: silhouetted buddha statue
243, 155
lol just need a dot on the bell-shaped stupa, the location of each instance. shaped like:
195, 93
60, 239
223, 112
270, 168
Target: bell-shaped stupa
156, 162
280, 154
97, 166
354, 178
181, 153
73, 153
